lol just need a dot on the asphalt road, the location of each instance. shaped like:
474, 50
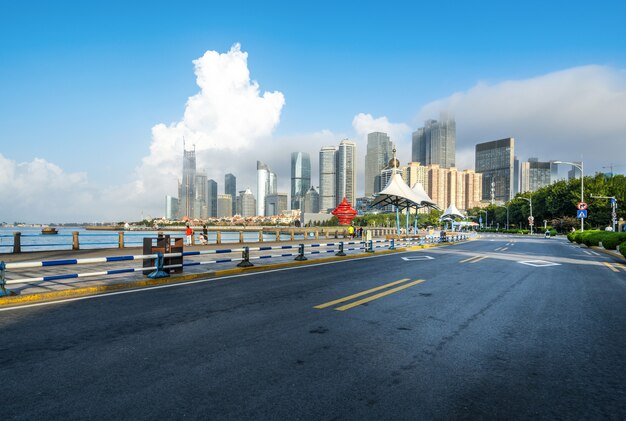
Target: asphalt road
502, 327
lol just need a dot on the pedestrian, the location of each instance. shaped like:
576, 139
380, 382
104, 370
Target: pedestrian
360, 232
351, 231
188, 234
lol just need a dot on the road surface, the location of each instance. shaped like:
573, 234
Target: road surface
502, 327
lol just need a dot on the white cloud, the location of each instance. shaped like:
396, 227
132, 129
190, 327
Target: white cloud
560, 115
39, 191
227, 121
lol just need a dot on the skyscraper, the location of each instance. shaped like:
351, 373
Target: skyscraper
328, 165
312, 201
200, 204
495, 161
534, 175
171, 207
300, 177
379, 152
435, 143
230, 187
346, 172
212, 198
275, 204
224, 205
187, 188
266, 182
246, 204
574, 172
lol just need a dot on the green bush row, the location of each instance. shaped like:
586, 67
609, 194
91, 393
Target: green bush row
622, 248
610, 240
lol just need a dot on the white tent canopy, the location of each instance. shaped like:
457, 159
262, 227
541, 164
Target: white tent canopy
399, 194
418, 189
451, 213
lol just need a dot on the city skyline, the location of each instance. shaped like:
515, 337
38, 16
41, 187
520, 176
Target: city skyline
94, 114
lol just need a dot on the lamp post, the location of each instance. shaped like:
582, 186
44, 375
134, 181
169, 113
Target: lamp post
582, 185
507, 214
531, 217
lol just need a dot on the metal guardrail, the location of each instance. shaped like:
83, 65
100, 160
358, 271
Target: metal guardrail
158, 267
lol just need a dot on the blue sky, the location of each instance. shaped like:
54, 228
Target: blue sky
83, 83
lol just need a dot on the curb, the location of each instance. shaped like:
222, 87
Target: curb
100, 289
609, 252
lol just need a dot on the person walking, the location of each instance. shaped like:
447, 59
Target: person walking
351, 231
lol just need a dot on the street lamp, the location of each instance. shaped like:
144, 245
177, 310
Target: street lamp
531, 218
507, 214
582, 185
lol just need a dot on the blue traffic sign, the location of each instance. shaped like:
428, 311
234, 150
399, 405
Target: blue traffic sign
581, 213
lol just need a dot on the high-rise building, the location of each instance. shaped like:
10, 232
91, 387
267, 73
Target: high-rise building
230, 187
438, 185
276, 204
379, 152
171, 207
211, 198
495, 161
416, 173
266, 185
200, 204
435, 143
186, 187
328, 165
224, 205
448, 186
554, 172
534, 175
312, 201
574, 172
516, 176
300, 177
473, 189
346, 172
246, 203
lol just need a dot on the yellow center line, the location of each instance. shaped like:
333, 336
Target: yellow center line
479, 259
377, 296
467, 260
360, 294
621, 266
610, 266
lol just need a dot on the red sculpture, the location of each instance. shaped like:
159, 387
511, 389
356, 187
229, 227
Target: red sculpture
344, 212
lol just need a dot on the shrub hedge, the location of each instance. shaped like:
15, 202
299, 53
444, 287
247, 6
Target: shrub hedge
593, 237
612, 240
622, 249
